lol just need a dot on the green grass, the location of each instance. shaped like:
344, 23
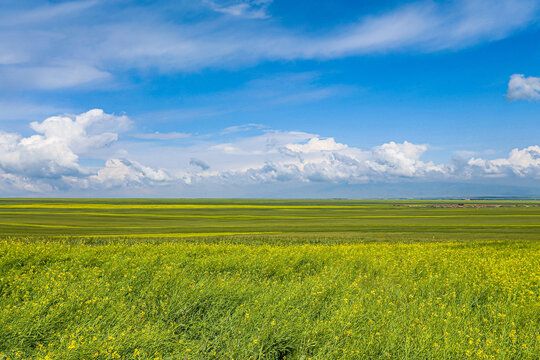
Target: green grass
49, 217
232, 279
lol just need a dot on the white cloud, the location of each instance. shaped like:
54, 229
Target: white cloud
326, 160
303, 157
123, 172
85, 132
54, 151
55, 159
521, 162
316, 159
523, 88
402, 160
316, 145
50, 160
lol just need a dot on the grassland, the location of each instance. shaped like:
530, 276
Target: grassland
272, 279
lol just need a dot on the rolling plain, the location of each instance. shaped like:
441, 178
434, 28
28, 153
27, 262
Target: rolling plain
269, 279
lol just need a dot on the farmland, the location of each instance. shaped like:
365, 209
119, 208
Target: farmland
250, 279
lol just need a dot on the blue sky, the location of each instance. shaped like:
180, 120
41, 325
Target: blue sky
269, 98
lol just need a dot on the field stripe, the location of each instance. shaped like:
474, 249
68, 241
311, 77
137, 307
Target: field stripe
44, 225
177, 235
174, 206
263, 216
346, 225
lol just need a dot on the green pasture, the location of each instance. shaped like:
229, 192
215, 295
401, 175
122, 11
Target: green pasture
53, 217
269, 279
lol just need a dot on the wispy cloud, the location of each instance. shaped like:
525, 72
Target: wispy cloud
94, 47
421, 27
471, 153
46, 13
246, 9
278, 90
241, 128
51, 76
162, 136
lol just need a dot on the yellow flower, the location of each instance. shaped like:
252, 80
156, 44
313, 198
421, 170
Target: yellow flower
72, 345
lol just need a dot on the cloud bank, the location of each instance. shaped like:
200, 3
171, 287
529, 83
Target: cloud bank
56, 157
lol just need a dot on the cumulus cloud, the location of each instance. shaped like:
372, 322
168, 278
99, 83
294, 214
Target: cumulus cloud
54, 151
315, 145
50, 158
523, 88
123, 172
82, 133
316, 159
56, 159
319, 159
520, 162
402, 160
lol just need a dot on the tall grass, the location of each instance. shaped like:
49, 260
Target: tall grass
189, 300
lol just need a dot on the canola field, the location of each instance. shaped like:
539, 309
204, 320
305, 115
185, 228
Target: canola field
269, 279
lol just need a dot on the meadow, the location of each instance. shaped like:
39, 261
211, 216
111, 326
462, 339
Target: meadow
269, 279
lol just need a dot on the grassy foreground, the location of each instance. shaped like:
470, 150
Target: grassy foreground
349, 292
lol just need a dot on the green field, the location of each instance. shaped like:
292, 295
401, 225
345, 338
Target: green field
272, 279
